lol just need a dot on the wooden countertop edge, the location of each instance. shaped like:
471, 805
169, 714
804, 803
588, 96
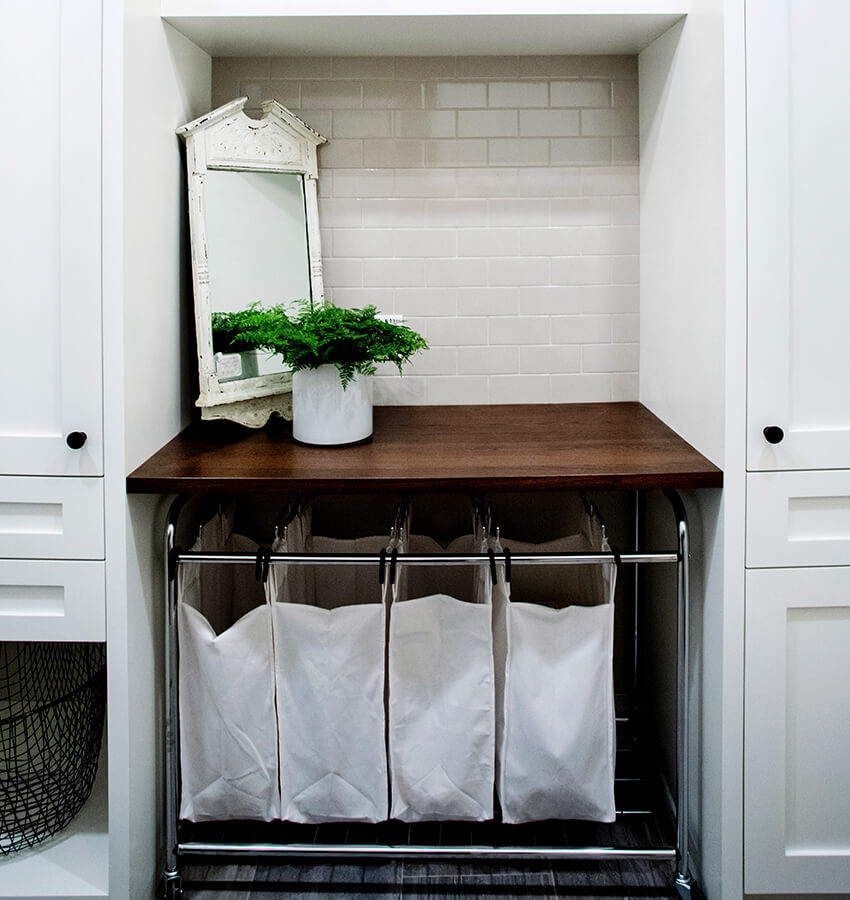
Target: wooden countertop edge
684, 469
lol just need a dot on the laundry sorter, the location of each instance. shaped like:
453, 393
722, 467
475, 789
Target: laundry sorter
281, 831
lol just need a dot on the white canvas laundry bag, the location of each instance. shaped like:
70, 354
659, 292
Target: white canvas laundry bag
556, 718
441, 708
228, 730
330, 675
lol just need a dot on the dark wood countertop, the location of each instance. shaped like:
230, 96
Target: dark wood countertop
428, 448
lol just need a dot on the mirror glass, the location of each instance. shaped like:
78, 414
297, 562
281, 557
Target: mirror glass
257, 251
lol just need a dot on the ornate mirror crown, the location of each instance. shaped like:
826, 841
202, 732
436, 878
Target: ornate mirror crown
254, 223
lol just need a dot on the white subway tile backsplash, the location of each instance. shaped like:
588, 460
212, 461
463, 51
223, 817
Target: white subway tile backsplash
580, 93
362, 123
292, 67
580, 211
400, 390
487, 360
464, 152
455, 95
518, 271
391, 212
490, 182
625, 329
518, 151
487, 66
610, 240
488, 242
340, 213
457, 332
425, 67
520, 389
581, 269
610, 358
393, 95
518, 94
455, 272
454, 391
393, 272
581, 388
625, 269
456, 212
519, 330
548, 122
432, 302
625, 93
344, 154
625, 150
625, 387
361, 242
393, 153
550, 300
360, 182
551, 241
425, 183
331, 94
487, 301
492, 201
520, 212
581, 329
487, 123
363, 67
581, 151
425, 123
609, 122
343, 273
424, 242
549, 360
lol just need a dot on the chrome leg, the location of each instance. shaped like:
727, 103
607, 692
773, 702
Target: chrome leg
684, 881
171, 880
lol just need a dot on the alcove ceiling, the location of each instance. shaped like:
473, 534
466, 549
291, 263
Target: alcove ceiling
257, 27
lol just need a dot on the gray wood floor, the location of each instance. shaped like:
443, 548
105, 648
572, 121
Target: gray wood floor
424, 881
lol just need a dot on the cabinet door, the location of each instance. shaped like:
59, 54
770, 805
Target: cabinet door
50, 283
798, 69
797, 731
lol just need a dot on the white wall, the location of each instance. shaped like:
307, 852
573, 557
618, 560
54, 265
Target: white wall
166, 82
692, 371
490, 200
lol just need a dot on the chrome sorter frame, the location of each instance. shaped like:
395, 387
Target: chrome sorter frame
174, 557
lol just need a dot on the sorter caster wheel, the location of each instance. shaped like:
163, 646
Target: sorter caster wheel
172, 886
686, 887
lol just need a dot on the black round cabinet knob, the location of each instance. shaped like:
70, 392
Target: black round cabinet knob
76, 440
773, 434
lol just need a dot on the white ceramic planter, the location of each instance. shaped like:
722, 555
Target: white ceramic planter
325, 414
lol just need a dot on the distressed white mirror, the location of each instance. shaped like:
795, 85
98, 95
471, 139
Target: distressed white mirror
254, 224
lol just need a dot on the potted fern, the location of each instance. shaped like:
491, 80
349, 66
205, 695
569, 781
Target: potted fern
332, 352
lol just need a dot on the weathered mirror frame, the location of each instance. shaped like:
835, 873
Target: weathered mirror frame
228, 139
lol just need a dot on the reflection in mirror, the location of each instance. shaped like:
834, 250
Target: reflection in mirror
253, 214
257, 248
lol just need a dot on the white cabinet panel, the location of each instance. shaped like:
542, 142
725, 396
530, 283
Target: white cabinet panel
50, 279
52, 600
798, 519
797, 731
798, 196
51, 518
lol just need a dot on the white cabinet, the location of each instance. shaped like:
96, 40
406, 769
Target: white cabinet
798, 196
52, 556
796, 776
50, 365
797, 668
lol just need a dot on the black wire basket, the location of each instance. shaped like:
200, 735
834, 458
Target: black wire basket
52, 704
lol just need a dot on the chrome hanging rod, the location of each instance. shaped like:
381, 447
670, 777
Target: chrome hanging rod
421, 559
344, 851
